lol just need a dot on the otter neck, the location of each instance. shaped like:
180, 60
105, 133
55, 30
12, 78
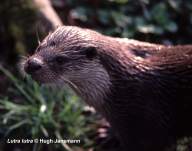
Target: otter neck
93, 86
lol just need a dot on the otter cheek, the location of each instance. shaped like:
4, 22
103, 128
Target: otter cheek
45, 76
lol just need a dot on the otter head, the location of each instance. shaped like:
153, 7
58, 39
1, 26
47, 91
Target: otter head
70, 55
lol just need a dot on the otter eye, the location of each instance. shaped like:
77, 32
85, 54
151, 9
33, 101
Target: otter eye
61, 59
91, 52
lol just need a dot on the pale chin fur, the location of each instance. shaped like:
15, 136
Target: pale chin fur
91, 84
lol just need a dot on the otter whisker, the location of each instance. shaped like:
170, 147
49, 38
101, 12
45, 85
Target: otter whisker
74, 86
37, 35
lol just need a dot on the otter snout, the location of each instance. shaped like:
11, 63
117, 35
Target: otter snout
33, 65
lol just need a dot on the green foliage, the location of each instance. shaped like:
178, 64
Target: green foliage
33, 112
147, 20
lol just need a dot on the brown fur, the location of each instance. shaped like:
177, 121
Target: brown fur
143, 90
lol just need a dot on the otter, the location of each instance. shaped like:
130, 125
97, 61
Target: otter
144, 90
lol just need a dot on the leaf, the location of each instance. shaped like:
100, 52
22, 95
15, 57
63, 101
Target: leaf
171, 27
79, 13
160, 14
104, 16
120, 19
150, 29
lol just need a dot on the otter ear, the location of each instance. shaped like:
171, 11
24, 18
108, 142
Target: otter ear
91, 52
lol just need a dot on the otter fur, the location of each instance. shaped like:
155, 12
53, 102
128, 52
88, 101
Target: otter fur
144, 90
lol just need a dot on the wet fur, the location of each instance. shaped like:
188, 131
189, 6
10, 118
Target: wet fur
144, 90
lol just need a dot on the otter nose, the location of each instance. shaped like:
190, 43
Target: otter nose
33, 65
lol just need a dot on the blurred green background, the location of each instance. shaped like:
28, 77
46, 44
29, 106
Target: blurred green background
28, 110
